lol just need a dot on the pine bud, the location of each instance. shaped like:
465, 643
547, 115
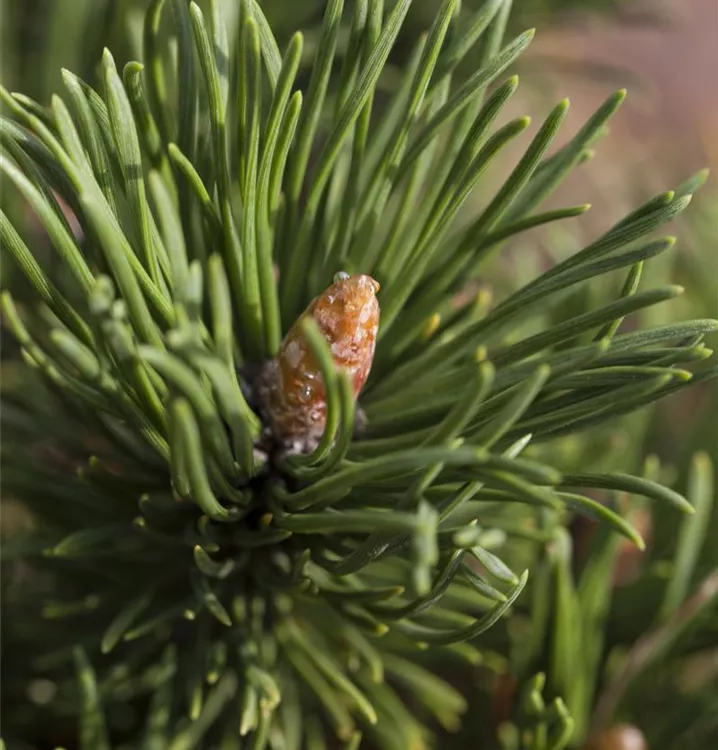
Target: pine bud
291, 387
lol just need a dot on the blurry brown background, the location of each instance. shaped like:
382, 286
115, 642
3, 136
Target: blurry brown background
671, 114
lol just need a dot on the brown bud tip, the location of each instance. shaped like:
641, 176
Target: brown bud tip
618, 737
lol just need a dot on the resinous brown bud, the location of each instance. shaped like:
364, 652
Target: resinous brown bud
292, 390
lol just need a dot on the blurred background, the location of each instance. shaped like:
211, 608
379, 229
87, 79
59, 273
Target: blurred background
665, 52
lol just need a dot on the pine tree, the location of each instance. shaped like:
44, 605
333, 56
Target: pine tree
222, 580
